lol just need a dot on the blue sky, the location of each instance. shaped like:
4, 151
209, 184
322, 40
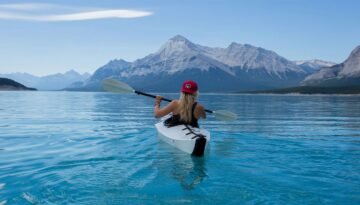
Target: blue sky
46, 37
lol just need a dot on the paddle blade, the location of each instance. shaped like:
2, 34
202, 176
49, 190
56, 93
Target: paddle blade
116, 86
225, 115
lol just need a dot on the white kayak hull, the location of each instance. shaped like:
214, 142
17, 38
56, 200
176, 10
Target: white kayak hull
184, 137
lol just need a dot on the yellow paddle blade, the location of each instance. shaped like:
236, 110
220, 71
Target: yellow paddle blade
113, 85
225, 115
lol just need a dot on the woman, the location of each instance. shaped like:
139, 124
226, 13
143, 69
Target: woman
184, 111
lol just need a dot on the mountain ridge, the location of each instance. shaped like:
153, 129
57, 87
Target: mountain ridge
312, 66
179, 58
55, 81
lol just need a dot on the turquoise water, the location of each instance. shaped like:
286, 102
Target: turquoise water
101, 148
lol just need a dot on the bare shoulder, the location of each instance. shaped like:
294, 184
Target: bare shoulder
200, 111
173, 106
160, 112
174, 103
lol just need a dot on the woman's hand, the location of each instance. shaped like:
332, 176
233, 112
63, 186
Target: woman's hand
161, 112
158, 100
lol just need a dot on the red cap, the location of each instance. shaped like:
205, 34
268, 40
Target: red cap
189, 86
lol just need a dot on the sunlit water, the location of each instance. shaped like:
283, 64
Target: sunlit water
102, 148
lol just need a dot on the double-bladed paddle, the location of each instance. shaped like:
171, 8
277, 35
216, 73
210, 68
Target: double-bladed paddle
116, 86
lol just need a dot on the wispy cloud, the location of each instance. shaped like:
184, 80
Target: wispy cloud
27, 6
50, 12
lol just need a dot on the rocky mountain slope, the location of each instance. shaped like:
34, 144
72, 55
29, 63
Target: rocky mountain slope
236, 67
343, 74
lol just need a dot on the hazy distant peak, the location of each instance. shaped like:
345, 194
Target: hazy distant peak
118, 62
48, 82
87, 74
71, 72
318, 62
314, 65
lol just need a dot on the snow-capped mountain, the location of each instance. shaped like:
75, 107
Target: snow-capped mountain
236, 67
249, 57
50, 82
112, 69
178, 54
314, 65
344, 74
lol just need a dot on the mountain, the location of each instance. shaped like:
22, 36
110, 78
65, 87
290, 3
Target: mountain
236, 67
111, 69
8, 84
59, 81
23, 78
343, 74
50, 82
312, 66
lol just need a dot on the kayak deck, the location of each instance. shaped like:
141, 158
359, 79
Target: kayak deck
184, 137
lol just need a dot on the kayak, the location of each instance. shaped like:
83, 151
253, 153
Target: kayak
184, 137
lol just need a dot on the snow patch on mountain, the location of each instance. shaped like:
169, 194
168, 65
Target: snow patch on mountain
315, 63
250, 57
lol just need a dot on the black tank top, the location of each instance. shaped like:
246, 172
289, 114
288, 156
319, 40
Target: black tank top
175, 119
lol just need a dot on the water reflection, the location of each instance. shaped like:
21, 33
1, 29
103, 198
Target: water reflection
187, 170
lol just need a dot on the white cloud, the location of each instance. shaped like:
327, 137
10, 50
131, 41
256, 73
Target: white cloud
99, 15
28, 12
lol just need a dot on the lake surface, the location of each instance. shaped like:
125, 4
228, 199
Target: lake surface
102, 148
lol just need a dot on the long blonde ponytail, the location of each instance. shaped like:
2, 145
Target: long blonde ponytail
186, 103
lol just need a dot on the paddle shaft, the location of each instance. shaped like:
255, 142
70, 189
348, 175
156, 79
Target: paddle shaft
165, 99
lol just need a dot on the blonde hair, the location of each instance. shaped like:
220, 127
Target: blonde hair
186, 103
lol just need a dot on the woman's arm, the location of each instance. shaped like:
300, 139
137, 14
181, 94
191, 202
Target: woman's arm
200, 112
161, 112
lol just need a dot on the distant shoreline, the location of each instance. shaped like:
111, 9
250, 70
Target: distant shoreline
346, 90
11, 88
